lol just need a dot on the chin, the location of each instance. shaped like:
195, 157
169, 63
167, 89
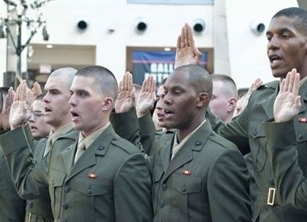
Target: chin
75, 126
279, 74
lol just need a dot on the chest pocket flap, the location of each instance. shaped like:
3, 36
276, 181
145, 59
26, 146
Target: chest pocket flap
186, 184
92, 187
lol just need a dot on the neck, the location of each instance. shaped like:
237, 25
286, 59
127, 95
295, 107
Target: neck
183, 133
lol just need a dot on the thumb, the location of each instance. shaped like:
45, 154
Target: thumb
197, 53
297, 102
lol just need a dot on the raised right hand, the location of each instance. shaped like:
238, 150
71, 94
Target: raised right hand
287, 103
126, 98
19, 114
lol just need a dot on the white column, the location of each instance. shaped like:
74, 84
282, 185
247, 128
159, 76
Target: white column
220, 39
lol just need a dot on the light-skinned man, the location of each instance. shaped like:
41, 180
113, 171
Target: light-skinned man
91, 179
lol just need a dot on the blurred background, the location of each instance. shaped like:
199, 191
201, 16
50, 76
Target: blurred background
38, 36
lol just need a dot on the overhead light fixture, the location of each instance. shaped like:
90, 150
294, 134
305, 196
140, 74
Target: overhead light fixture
49, 46
140, 25
167, 49
257, 27
199, 25
82, 24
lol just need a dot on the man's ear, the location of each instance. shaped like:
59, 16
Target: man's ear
202, 100
232, 102
108, 104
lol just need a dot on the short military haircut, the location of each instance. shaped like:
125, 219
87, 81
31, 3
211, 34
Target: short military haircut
67, 72
104, 78
298, 14
229, 85
198, 77
40, 96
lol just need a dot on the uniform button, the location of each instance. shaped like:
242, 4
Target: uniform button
164, 187
65, 221
101, 148
272, 182
162, 204
30, 204
300, 136
65, 206
89, 191
67, 189
184, 189
255, 132
305, 93
159, 220
197, 143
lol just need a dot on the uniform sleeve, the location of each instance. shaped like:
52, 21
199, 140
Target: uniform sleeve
228, 188
236, 131
12, 207
29, 179
290, 181
147, 133
132, 191
126, 125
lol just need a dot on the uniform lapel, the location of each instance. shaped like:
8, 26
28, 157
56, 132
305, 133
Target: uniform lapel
185, 154
68, 157
88, 158
268, 105
66, 153
165, 153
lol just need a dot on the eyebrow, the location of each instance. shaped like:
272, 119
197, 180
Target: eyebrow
282, 30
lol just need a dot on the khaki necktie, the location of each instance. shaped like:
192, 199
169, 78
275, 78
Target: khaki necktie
80, 150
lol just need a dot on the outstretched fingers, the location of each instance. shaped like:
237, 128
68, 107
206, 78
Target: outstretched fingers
291, 82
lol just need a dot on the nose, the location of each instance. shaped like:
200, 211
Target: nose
31, 120
46, 98
273, 44
72, 100
167, 99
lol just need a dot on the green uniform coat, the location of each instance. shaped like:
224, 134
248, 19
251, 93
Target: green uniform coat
248, 128
110, 181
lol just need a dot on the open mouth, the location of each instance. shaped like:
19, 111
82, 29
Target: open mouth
74, 114
32, 128
275, 60
47, 110
160, 115
168, 112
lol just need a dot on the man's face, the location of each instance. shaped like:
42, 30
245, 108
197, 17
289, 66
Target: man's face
159, 110
56, 101
87, 105
39, 128
286, 48
219, 104
179, 101
241, 104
